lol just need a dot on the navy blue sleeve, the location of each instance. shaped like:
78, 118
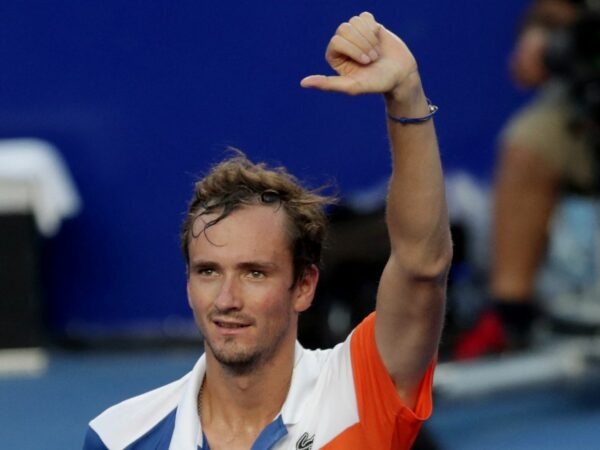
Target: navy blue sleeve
93, 441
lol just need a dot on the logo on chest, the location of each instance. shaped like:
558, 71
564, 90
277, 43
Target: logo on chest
305, 442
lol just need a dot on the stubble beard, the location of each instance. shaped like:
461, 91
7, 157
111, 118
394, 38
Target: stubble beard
238, 360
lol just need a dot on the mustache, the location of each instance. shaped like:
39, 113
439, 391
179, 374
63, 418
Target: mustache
235, 316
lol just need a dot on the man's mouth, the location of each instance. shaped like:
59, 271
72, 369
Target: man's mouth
230, 325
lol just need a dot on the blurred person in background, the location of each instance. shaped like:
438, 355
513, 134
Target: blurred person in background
547, 148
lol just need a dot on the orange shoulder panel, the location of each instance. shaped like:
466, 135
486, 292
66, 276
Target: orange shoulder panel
385, 422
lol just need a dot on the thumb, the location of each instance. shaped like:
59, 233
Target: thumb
330, 83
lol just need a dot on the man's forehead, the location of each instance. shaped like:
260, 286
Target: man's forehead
252, 234
265, 220
244, 212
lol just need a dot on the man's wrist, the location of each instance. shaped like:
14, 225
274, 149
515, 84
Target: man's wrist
407, 99
415, 120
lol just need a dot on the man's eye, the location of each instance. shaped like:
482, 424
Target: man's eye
207, 272
256, 274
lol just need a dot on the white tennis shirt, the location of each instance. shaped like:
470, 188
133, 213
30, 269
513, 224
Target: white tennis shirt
340, 398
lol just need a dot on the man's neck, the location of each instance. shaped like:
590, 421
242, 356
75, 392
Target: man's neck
242, 405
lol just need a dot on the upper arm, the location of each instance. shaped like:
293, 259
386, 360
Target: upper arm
410, 315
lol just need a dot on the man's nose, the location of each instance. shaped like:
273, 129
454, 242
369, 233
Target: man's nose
228, 297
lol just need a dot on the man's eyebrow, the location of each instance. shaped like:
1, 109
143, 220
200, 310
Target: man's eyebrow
265, 265
201, 263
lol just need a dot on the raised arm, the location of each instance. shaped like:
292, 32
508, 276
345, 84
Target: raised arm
410, 301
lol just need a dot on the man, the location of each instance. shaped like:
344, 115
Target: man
252, 240
540, 157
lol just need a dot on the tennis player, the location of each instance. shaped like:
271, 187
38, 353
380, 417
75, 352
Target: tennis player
252, 241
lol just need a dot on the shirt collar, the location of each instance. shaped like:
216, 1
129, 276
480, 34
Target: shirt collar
187, 434
187, 426
304, 377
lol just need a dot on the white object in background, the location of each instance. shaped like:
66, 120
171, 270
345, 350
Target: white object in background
469, 205
23, 362
562, 360
34, 178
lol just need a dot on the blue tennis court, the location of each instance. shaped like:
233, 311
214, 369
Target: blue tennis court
50, 412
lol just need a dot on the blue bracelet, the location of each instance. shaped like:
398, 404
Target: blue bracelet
416, 120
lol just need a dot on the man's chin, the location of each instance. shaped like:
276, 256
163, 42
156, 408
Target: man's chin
237, 360
239, 364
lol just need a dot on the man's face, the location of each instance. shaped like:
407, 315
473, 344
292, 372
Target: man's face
240, 286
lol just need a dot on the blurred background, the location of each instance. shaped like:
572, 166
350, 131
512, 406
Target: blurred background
110, 110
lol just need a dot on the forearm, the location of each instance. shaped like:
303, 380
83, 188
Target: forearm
410, 300
417, 216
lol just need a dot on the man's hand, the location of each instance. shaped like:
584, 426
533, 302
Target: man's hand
368, 59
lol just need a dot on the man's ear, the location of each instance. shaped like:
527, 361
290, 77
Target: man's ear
187, 288
305, 288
